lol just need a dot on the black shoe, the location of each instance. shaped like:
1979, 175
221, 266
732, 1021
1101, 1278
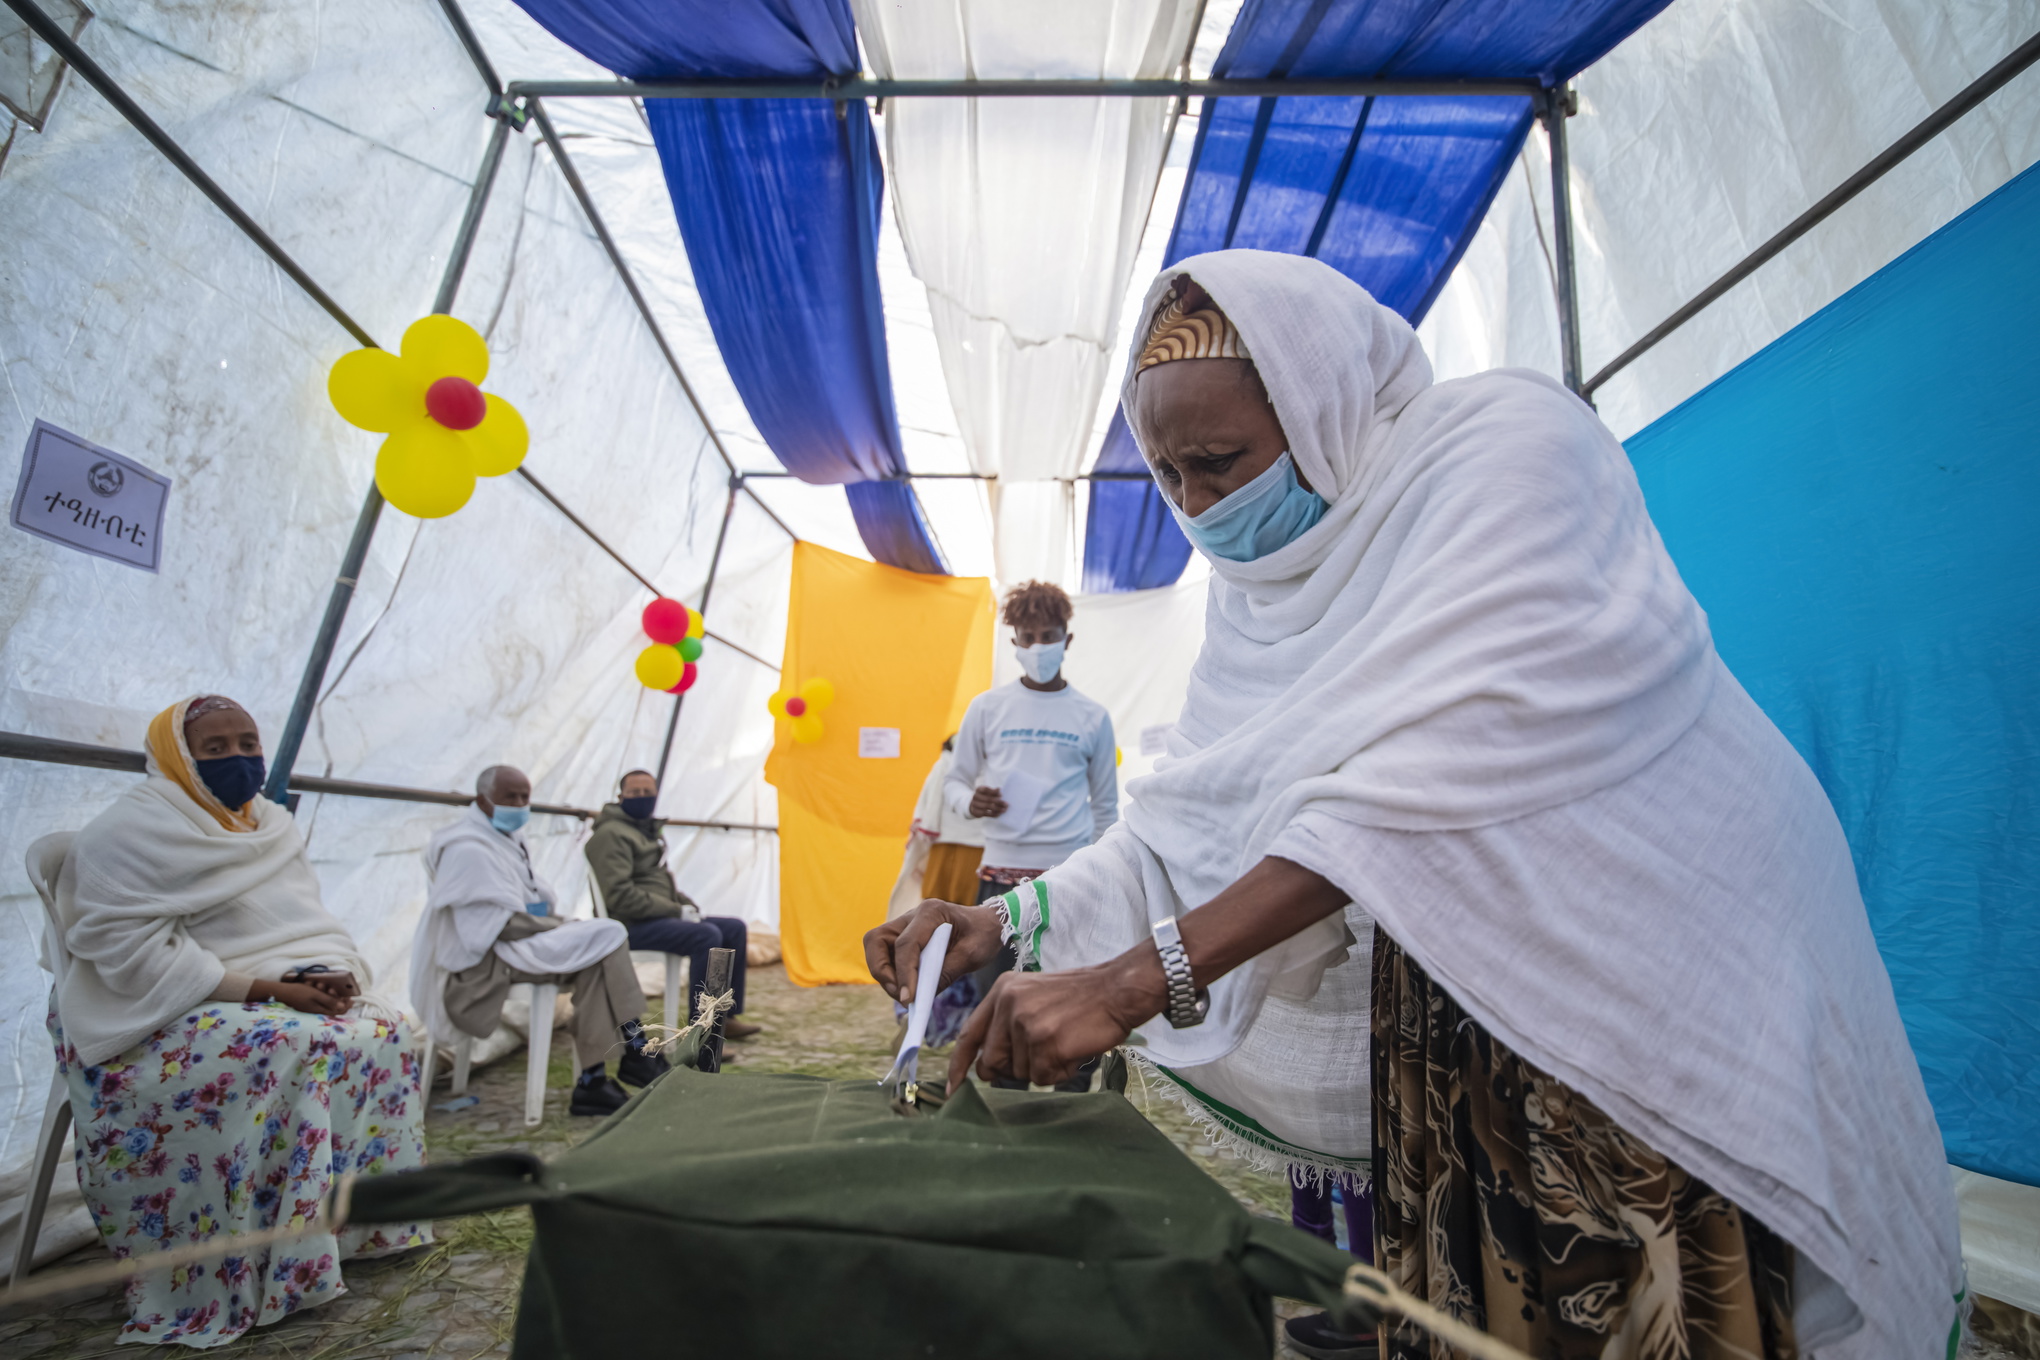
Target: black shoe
1312, 1335
597, 1096
641, 1069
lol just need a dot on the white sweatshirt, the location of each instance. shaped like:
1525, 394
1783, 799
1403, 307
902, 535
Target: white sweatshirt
1061, 738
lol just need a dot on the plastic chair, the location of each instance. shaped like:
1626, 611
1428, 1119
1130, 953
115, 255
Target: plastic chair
674, 962
45, 861
545, 998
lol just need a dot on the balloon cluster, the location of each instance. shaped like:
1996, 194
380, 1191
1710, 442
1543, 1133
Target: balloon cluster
675, 631
444, 431
803, 707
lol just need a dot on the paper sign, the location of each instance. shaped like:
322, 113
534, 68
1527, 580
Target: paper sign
1022, 792
878, 743
1154, 741
82, 496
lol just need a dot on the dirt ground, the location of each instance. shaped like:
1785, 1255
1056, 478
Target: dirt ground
456, 1298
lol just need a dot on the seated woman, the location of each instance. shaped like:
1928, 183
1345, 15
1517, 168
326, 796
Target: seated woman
218, 1085
1639, 1087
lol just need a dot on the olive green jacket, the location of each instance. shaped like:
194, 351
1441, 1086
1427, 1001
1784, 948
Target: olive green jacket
628, 860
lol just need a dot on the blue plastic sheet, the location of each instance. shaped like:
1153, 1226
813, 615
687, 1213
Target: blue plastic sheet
1387, 191
1855, 507
778, 202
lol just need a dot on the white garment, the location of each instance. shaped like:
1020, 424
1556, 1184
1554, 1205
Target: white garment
159, 902
1441, 697
1059, 739
480, 878
934, 818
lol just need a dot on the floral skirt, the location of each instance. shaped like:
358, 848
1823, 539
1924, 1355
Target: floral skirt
229, 1120
1509, 1200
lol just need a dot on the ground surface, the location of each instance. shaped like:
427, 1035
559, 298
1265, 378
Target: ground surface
457, 1297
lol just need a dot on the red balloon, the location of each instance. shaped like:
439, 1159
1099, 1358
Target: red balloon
665, 621
794, 706
456, 403
686, 680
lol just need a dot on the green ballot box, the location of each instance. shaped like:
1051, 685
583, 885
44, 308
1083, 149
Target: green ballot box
733, 1215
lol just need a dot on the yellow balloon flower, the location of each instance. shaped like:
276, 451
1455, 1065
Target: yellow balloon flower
444, 431
802, 707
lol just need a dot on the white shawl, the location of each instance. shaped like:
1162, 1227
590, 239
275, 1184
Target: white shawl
1473, 697
480, 878
159, 901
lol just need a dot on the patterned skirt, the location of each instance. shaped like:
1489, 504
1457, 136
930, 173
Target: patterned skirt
231, 1119
1506, 1198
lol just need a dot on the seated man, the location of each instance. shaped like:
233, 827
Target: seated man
489, 922
627, 855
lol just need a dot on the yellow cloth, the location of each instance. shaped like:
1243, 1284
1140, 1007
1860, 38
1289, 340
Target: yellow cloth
903, 651
951, 875
173, 758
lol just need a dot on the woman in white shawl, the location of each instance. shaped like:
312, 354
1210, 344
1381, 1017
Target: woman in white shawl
225, 1061
1640, 1088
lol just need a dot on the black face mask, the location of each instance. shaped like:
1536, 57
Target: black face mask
233, 779
639, 808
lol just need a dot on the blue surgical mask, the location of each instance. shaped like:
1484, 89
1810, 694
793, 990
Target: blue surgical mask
509, 819
639, 809
1268, 513
233, 779
1042, 660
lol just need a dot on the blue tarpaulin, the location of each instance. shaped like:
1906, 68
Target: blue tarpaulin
1387, 191
778, 202
1855, 509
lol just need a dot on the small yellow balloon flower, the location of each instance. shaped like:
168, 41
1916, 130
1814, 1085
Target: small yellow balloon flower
444, 431
802, 708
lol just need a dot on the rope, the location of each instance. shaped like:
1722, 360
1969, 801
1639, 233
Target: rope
338, 1200
664, 1039
1374, 1290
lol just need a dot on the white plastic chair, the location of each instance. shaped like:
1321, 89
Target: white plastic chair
45, 861
675, 964
545, 998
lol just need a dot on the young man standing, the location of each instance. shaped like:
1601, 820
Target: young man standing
1035, 760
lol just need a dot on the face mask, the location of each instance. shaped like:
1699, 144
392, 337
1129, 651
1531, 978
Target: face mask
507, 820
233, 779
1270, 512
1042, 660
639, 808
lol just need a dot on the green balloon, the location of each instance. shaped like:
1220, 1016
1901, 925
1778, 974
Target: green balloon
690, 649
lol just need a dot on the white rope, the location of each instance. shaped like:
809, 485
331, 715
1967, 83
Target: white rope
1368, 1286
663, 1038
213, 1248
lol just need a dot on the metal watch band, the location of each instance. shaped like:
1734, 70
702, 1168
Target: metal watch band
1187, 1006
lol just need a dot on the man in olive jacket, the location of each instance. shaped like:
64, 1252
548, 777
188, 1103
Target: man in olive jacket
627, 855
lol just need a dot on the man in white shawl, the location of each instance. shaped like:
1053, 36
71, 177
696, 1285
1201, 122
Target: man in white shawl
1639, 1084
490, 921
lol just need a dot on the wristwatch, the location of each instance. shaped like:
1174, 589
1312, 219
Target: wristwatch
1188, 1003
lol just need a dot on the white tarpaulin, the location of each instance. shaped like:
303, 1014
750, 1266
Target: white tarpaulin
1022, 217
1710, 128
142, 320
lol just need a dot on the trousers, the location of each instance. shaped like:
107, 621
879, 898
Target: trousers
671, 935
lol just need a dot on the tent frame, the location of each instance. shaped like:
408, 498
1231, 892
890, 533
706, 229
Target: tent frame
512, 105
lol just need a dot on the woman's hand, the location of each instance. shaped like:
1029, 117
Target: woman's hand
1040, 1027
300, 996
893, 951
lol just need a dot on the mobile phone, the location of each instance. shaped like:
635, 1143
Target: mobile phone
325, 979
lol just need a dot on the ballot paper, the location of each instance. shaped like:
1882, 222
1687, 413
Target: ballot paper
1022, 792
927, 983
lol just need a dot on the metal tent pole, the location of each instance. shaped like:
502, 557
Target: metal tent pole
292, 740
707, 589
1559, 105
